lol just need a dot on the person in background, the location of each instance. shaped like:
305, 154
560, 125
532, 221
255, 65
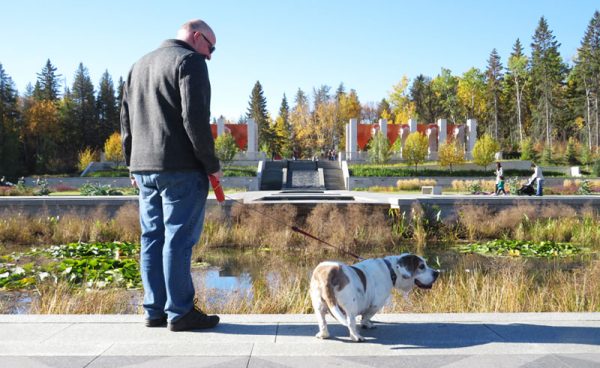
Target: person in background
169, 149
500, 186
499, 173
538, 178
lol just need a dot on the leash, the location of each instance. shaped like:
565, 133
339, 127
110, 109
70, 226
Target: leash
218, 189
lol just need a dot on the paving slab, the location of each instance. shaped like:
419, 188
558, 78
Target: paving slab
400, 340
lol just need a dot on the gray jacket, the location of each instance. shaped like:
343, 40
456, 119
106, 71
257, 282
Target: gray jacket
165, 115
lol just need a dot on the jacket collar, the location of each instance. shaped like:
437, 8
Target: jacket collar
177, 43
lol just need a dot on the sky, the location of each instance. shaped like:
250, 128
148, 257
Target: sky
286, 45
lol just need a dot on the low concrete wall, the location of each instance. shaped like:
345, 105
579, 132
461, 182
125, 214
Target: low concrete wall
366, 182
449, 206
247, 182
82, 206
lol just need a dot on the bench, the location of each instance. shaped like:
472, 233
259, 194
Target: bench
431, 189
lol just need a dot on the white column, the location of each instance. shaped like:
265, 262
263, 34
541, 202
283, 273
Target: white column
383, 127
220, 126
252, 150
471, 137
352, 140
412, 125
442, 131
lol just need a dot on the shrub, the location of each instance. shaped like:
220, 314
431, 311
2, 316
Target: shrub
113, 150
527, 151
485, 150
379, 150
451, 153
415, 149
86, 157
414, 184
596, 168
571, 152
226, 148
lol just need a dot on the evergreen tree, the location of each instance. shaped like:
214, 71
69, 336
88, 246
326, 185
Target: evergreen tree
493, 81
120, 95
383, 109
548, 72
426, 106
84, 101
257, 110
48, 84
9, 118
107, 108
587, 72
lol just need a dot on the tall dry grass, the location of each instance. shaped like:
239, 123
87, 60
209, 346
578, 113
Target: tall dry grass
511, 288
414, 184
63, 298
17, 228
559, 223
466, 185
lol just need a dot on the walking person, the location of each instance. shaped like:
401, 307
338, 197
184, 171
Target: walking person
169, 149
499, 174
538, 178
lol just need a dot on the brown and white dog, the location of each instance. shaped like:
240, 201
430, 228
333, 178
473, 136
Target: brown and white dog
364, 288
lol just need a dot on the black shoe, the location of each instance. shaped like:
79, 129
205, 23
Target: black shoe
194, 320
157, 322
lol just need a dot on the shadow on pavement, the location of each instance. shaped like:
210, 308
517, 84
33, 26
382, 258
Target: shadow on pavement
432, 335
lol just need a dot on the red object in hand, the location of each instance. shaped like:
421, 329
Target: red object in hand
217, 188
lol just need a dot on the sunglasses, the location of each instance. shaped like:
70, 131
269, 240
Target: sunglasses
211, 47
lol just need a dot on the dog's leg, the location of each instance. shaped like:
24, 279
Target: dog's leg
365, 322
321, 311
354, 335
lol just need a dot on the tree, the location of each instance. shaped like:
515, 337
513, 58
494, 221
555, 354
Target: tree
493, 79
113, 149
517, 69
84, 109
415, 149
40, 136
379, 149
257, 110
471, 94
485, 150
107, 107
451, 153
301, 121
402, 107
444, 87
9, 119
548, 72
48, 84
226, 148
587, 71
427, 108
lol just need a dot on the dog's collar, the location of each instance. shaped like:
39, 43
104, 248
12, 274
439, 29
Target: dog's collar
392, 273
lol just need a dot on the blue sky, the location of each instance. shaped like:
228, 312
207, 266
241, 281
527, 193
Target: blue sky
286, 45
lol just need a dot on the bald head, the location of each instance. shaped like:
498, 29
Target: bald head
199, 35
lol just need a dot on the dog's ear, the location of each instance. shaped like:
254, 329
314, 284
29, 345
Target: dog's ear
404, 273
408, 265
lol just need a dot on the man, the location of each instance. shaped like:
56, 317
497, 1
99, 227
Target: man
169, 149
537, 177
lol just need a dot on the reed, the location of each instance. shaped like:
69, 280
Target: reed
64, 298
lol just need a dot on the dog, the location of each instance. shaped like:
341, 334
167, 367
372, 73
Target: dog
364, 288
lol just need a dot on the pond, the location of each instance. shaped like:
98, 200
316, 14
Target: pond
237, 281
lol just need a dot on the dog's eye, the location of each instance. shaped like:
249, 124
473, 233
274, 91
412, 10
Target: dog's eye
421, 266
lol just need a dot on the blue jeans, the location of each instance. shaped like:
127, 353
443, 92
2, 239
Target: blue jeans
171, 218
540, 187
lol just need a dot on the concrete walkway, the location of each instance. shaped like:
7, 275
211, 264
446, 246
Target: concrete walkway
400, 340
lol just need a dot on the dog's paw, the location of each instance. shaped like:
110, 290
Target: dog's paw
357, 338
368, 325
322, 335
